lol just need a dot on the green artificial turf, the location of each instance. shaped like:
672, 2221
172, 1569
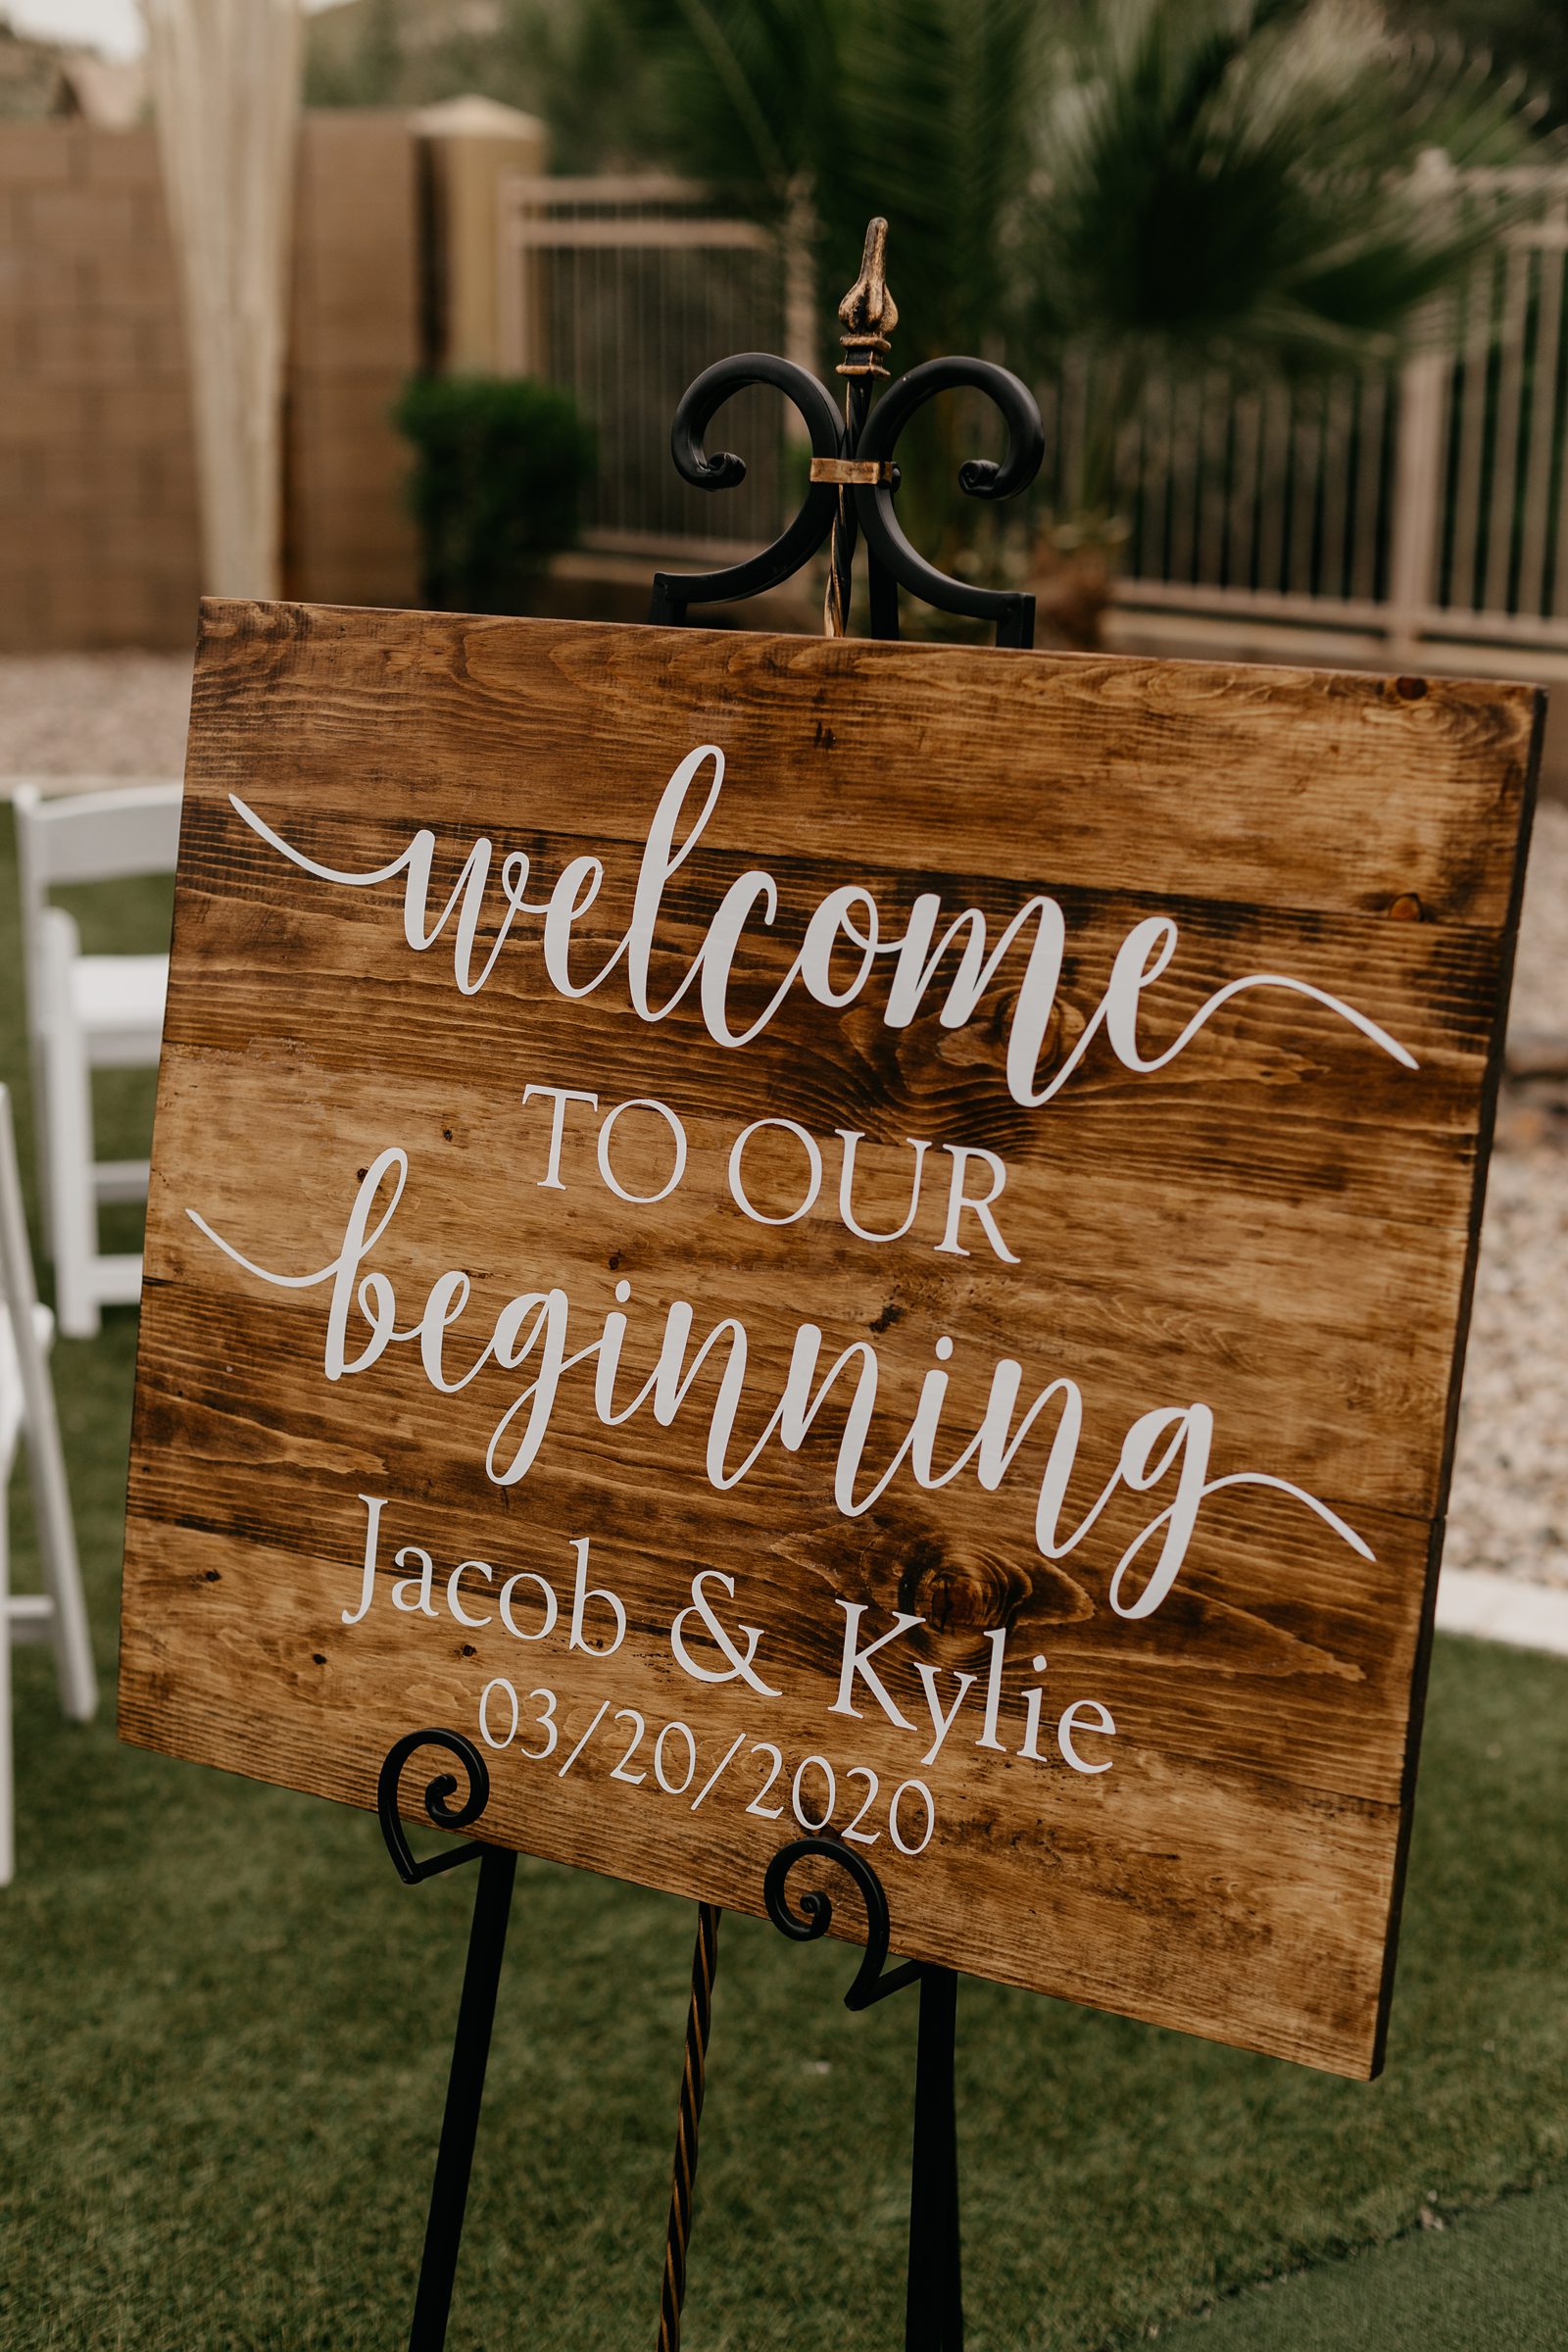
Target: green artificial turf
1491, 2281
225, 2027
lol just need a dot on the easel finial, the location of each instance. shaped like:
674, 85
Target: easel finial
868, 312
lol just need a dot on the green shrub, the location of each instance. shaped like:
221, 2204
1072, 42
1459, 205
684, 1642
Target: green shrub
500, 468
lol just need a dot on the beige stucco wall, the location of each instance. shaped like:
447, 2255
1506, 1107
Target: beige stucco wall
98, 539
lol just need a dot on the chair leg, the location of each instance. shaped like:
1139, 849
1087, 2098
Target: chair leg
40, 1131
68, 1086
8, 1831
70, 1635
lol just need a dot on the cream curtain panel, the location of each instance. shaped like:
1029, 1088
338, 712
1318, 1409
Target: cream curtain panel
226, 78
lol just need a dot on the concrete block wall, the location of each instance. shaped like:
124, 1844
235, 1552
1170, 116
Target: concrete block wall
98, 524
98, 534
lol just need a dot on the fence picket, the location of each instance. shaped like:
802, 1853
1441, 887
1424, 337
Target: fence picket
1544, 410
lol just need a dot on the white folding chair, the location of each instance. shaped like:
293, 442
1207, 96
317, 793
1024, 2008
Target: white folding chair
88, 1012
58, 1614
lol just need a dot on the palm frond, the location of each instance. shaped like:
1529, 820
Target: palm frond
1213, 170
749, 88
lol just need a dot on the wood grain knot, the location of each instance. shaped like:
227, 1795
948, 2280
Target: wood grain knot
898, 1559
1407, 908
959, 1591
1410, 690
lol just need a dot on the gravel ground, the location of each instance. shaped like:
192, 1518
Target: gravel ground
1510, 1506
105, 714
124, 714
1540, 974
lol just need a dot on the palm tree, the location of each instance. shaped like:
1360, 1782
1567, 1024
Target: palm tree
1250, 190
1156, 188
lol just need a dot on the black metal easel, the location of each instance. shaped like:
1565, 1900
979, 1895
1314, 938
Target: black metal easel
854, 481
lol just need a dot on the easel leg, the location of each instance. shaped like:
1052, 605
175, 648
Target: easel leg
471, 2053
934, 2313
934, 2310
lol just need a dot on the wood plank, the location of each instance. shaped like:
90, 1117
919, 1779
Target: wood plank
1344, 791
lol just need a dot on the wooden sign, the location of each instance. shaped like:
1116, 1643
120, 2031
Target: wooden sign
806, 1235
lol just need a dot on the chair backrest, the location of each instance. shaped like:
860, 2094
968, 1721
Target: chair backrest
103, 835
106, 835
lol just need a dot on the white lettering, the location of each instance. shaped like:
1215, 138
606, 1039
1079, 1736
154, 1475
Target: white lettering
941, 1724
375, 1506
959, 1200
582, 1594
739, 1662
851, 1137
738, 1193
454, 1588
547, 1623
1171, 1444
1069, 1725
848, 915
856, 1663
643, 1103
560, 1095
424, 1602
